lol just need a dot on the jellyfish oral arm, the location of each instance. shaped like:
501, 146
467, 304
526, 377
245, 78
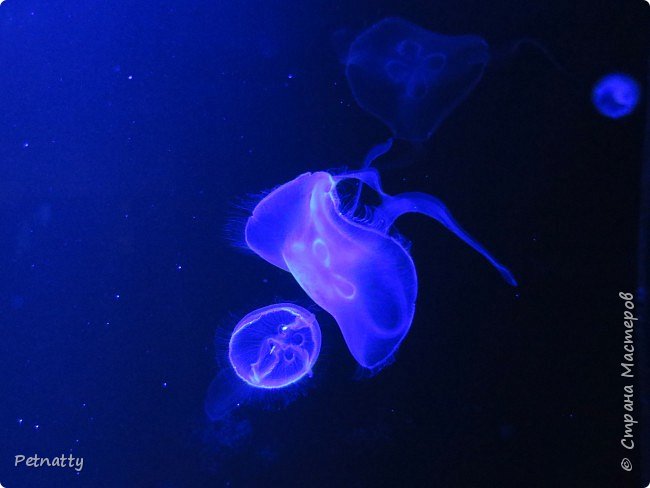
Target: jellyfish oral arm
393, 207
416, 202
377, 151
374, 153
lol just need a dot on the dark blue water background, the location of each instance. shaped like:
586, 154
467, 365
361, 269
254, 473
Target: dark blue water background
130, 134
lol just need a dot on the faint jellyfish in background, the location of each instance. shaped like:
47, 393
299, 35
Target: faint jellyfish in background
271, 348
411, 78
616, 95
346, 256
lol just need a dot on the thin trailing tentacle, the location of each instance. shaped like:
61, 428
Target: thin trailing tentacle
377, 151
395, 206
374, 153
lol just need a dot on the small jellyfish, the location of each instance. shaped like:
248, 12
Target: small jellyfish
616, 95
275, 346
355, 269
270, 349
412, 78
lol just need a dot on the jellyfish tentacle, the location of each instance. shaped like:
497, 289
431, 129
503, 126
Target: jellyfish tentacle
393, 206
369, 176
377, 151
382, 218
422, 203
546, 53
374, 153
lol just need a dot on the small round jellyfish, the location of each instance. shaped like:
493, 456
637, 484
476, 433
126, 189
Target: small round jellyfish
275, 346
616, 95
270, 350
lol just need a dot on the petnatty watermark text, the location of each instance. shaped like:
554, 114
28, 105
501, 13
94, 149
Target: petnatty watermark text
61, 461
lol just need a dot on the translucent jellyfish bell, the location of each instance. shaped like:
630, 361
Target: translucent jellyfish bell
616, 95
353, 269
275, 346
412, 78
270, 350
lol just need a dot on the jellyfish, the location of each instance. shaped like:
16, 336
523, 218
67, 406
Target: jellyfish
616, 95
411, 78
271, 348
275, 346
354, 267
